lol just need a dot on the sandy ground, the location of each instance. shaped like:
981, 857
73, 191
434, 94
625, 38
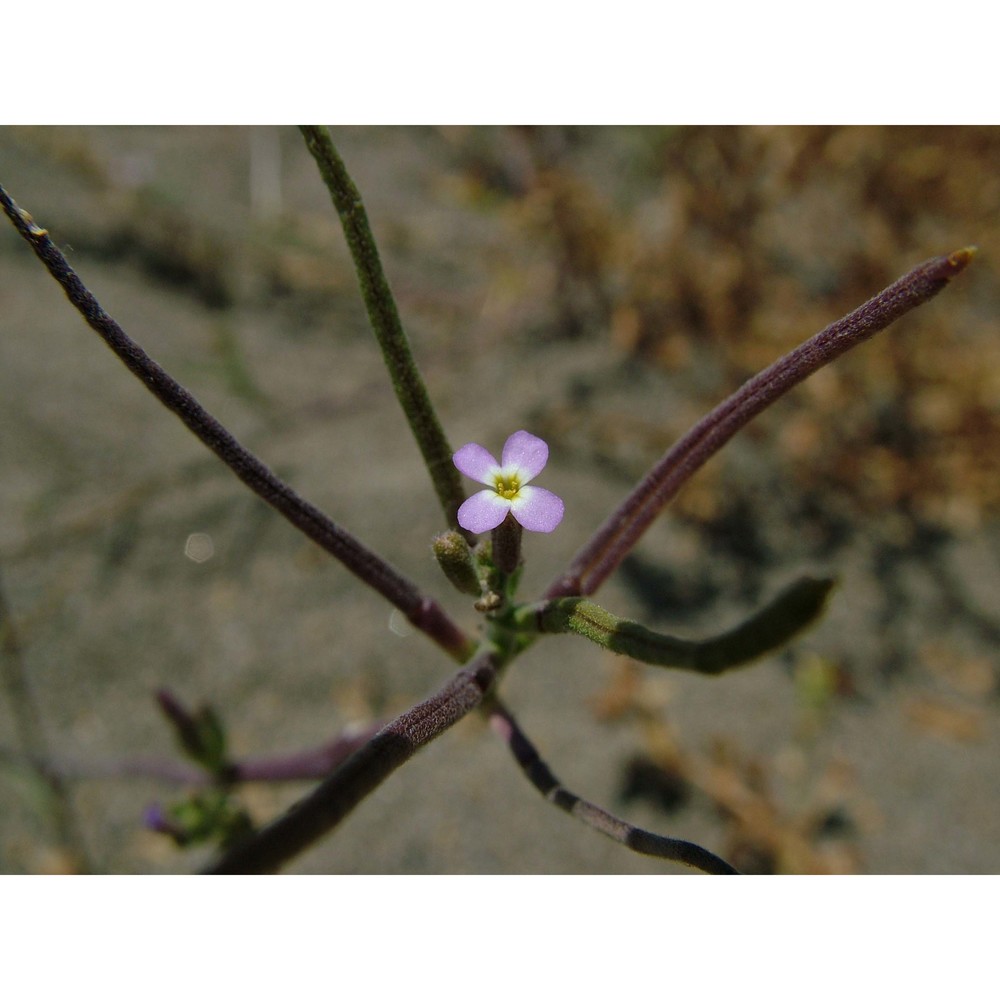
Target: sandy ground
871, 745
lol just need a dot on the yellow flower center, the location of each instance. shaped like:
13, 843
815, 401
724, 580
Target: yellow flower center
507, 486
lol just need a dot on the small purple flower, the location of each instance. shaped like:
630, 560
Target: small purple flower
524, 456
155, 818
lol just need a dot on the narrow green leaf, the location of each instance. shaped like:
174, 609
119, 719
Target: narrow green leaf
212, 739
201, 733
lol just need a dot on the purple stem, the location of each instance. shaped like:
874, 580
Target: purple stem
301, 765
423, 612
618, 535
312, 817
641, 841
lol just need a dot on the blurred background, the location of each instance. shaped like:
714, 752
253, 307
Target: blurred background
603, 288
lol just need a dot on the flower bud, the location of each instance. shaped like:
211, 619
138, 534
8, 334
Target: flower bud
455, 557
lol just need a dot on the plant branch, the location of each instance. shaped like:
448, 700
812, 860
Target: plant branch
423, 612
641, 841
31, 735
314, 816
384, 318
302, 765
616, 537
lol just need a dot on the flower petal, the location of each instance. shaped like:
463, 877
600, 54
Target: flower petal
525, 452
483, 511
474, 461
536, 509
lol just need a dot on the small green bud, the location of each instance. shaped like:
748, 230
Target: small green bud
207, 816
455, 557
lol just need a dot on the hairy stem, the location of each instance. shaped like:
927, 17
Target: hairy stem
384, 317
641, 841
423, 612
616, 537
314, 816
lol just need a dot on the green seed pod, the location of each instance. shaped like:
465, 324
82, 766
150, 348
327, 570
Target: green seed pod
768, 630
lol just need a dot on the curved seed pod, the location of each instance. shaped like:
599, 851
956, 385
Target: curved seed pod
792, 610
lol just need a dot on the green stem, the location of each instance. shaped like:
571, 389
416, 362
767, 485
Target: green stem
384, 317
31, 732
